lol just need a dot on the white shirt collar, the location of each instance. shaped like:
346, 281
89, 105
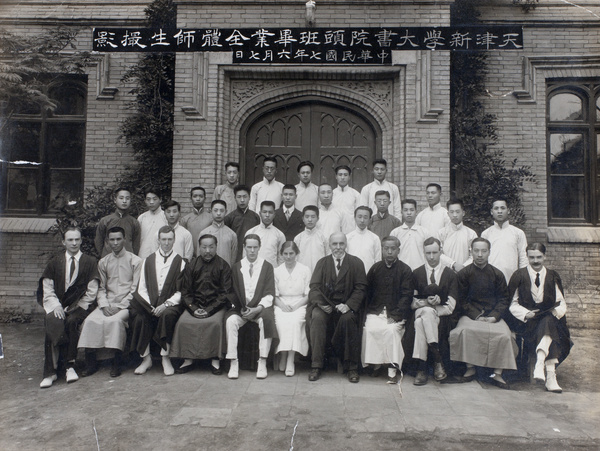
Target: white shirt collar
504, 226
68, 256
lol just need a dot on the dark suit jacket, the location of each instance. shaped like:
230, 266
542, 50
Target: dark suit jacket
289, 228
348, 287
265, 286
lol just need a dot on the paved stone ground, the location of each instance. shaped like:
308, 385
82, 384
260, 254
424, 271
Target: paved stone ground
200, 411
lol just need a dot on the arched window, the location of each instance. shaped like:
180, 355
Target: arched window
573, 145
41, 152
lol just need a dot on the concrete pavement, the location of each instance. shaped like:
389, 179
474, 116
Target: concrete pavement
198, 410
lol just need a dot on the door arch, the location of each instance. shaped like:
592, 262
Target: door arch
327, 133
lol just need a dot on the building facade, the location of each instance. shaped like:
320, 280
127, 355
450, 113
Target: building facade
545, 96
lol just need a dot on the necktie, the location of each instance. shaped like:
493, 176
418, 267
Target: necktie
432, 277
339, 263
251, 269
166, 257
72, 269
287, 215
537, 279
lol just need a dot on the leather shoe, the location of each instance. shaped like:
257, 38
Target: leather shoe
353, 376
184, 369
216, 371
376, 372
315, 374
421, 378
89, 370
438, 372
115, 371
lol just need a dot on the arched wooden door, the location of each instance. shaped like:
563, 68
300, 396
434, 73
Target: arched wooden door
326, 134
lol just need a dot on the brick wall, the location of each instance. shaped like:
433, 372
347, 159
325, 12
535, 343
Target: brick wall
24, 257
522, 128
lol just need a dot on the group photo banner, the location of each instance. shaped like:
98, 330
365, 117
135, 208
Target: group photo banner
309, 45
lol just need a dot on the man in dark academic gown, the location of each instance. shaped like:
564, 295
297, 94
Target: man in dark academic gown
242, 218
287, 218
156, 305
481, 337
66, 290
434, 302
539, 305
336, 297
389, 293
252, 300
205, 291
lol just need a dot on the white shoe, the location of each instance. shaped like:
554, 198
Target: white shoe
234, 369
144, 366
290, 369
551, 384
47, 381
261, 372
71, 375
167, 366
538, 371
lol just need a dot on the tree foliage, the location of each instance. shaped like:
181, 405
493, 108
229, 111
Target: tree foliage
481, 172
149, 132
29, 63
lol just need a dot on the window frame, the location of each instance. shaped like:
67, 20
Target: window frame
45, 119
588, 90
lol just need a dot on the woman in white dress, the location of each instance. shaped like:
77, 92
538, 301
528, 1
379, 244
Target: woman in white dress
291, 296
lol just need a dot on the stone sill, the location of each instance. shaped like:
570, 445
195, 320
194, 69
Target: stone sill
573, 235
13, 291
26, 225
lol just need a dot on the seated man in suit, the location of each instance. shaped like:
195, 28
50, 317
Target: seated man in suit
205, 291
436, 291
106, 326
481, 337
288, 219
252, 300
67, 289
538, 303
156, 305
336, 297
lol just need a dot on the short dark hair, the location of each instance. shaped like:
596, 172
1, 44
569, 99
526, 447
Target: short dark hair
481, 240
207, 235
409, 201
455, 202
291, 244
365, 208
63, 232
537, 246
166, 229
305, 163
195, 188
432, 240
383, 192
232, 164
391, 238
499, 199
272, 159
218, 202
326, 184
152, 190
239, 188
172, 203
437, 186
267, 203
118, 189
343, 166
116, 229
311, 208
288, 186
252, 236
380, 161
